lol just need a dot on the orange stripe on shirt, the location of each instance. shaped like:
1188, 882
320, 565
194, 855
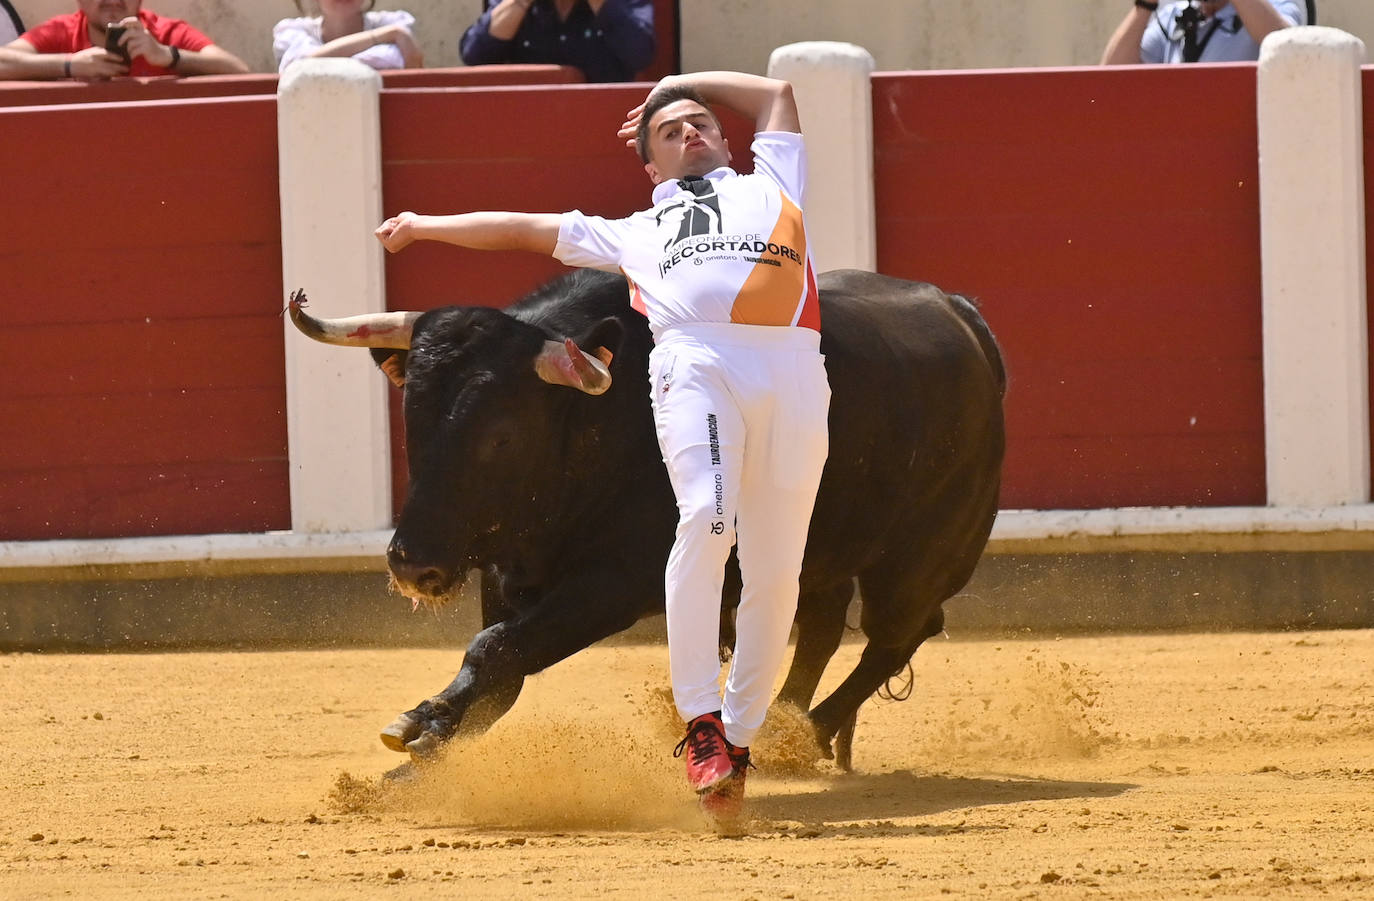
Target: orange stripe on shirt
636, 296
776, 286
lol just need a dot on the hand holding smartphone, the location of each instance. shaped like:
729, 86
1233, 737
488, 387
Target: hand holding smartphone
112, 35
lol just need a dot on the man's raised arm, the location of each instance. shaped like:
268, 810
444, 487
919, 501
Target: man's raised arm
768, 101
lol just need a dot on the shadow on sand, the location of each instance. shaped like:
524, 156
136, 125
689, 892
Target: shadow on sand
866, 797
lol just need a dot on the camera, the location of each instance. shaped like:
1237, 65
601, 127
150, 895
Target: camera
112, 35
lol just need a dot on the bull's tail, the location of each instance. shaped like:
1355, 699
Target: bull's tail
968, 313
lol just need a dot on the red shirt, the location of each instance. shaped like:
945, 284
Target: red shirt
70, 33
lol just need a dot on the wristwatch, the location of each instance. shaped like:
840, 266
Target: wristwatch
1150, 5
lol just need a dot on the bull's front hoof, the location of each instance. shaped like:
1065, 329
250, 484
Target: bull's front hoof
402, 731
426, 746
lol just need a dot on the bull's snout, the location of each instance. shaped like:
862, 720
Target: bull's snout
414, 578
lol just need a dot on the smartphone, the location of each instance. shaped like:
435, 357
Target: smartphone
112, 35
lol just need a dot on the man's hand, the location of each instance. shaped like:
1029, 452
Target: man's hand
398, 232
629, 129
138, 42
96, 62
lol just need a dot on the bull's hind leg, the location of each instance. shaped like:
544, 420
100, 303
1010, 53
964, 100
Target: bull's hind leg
877, 664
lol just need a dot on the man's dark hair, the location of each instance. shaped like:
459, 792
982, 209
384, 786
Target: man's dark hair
657, 101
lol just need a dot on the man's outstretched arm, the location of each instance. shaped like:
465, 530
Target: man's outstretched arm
536, 232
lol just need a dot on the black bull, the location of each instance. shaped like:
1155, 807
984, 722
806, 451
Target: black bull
562, 500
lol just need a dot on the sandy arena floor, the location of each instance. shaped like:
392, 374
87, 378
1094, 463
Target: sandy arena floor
1136, 767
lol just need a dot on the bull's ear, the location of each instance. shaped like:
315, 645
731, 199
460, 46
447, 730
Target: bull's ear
392, 362
567, 364
603, 339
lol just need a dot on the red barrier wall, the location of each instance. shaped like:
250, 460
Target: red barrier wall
171, 87
1108, 227
1107, 222
143, 388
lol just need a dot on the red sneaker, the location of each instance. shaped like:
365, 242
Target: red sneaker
708, 755
723, 801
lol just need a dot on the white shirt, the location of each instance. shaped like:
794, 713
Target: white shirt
295, 38
737, 252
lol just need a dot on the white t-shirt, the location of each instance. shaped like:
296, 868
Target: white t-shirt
1229, 41
734, 250
294, 38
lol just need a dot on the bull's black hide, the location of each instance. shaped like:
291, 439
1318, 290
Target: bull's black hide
562, 499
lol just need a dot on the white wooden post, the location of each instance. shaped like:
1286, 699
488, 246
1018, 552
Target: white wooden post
835, 101
329, 141
1311, 166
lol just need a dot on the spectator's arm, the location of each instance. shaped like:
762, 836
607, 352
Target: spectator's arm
1260, 18
1123, 47
208, 60
412, 56
21, 61
488, 39
396, 48
629, 30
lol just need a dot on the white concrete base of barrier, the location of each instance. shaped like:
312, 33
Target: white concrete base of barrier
193, 555
1167, 529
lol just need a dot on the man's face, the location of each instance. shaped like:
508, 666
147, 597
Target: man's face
104, 13
684, 139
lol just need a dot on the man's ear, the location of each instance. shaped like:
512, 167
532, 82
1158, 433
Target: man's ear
392, 362
654, 175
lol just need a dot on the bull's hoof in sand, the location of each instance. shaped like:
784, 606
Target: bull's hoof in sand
402, 731
426, 746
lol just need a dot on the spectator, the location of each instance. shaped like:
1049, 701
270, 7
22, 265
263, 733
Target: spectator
73, 46
609, 40
382, 40
1208, 31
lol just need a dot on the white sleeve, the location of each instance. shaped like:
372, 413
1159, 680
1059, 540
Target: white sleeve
1293, 11
590, 242
291, 40
781, 156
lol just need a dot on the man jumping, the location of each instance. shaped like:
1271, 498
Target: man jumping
721, 267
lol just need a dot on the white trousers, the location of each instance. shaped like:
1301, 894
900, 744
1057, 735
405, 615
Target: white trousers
741, 413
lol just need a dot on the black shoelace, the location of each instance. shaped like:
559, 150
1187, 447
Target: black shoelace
699, 739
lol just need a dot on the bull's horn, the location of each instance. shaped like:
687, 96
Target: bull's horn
567, 364
369, 330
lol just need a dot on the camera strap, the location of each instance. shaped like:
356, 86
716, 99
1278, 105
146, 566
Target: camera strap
1192, 47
